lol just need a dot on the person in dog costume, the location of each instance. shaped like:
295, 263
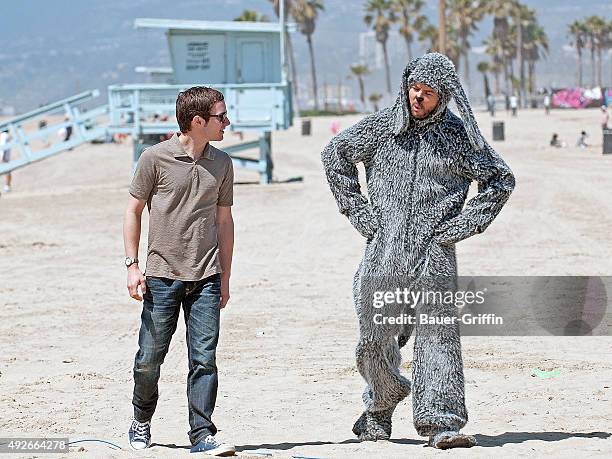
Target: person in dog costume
420, 160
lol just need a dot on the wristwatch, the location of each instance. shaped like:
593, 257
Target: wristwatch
130, 261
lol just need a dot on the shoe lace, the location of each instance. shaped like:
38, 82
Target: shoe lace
141, 430
211, 440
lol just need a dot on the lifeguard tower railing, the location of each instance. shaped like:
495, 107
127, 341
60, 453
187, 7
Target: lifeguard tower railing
146, 110
32, 141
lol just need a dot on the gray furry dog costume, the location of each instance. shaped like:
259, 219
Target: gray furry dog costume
418, 173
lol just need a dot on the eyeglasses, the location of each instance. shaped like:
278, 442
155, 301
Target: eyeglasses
221, 116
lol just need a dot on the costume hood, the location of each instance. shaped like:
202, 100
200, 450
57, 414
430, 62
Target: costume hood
437, 71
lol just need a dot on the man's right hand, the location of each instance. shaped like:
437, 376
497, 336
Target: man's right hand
135, 279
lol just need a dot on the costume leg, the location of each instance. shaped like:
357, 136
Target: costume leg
437, 377
378, 361
160, 311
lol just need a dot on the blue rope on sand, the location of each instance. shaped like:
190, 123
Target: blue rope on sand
95, 440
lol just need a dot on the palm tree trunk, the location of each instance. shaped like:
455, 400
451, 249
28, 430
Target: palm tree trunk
466, 62
497, 86
487, 89
442, 26
296, 103
388, 71
520, 61
339, 94
506, 77
599, 67
592, 66
579, 68
362, 91
531, 73
325, 103
313, 72
409, 48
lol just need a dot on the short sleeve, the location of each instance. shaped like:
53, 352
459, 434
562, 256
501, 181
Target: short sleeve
226, 190
144, 177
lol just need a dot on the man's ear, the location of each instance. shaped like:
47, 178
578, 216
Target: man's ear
197, 119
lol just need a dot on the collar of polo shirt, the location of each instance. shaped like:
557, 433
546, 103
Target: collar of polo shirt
179, 151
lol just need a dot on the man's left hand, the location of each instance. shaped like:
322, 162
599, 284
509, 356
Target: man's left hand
225, 291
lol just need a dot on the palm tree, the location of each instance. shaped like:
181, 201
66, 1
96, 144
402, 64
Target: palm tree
381, 16
431, 34
252, 16
578, 33
411, 21
464, 16
501, 10
360, 71
305, 13
524, 17
375, 98
536, 46
492, 47
607, 40
484, 67
442, 26
595, 32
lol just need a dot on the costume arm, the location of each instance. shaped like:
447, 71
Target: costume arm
495, 183
339, 161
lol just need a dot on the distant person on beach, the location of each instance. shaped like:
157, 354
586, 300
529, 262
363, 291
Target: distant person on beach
42, 124
68, 132
420, 160
605, 117
335, 127
491, 104
65, 132
547, 104
582, 140
187, 186
5, 138
514, 104
555, 142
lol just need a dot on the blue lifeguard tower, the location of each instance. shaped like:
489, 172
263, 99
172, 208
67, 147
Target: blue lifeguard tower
243, 60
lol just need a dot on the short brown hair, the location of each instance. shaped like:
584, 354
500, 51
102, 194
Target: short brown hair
198, 100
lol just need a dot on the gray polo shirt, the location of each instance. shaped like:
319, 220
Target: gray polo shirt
182, 197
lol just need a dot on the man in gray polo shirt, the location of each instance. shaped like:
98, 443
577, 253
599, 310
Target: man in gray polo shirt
186, 185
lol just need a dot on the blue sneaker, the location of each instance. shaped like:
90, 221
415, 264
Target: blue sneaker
140, 434
212, 447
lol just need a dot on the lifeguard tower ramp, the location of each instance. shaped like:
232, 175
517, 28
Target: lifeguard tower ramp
52, 129
243, 60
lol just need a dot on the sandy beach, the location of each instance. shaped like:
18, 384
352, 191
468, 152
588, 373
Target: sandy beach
288, 382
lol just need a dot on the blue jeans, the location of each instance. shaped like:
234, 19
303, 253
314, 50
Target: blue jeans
160, 312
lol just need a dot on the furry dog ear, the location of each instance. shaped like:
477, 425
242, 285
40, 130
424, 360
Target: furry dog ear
463, 105
401, 108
